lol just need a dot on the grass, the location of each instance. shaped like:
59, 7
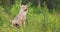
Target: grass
38, 20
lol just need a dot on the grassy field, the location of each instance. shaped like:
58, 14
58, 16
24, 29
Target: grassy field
38, 20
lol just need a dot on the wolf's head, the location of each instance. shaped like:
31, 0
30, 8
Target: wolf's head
24, 8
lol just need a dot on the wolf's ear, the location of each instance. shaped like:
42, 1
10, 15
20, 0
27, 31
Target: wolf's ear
25, 10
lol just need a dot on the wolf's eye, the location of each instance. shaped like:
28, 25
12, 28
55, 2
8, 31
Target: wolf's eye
25, 10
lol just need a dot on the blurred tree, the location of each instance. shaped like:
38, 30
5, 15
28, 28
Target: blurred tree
38, 3
41, 3
49, 4
12, 2
23, 2
6, 4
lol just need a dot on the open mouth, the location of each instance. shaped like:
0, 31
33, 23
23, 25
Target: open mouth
25, 10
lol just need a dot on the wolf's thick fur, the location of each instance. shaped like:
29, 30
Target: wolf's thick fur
20, 19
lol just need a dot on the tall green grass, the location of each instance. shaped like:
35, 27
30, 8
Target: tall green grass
38, 20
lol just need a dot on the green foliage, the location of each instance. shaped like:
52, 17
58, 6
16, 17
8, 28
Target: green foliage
38, 19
